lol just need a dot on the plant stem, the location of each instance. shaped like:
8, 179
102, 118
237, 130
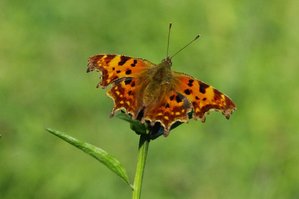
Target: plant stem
142, 154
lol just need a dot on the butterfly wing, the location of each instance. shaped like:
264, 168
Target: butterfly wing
115, 67
173, 107
124, 74
126, 95
202, 97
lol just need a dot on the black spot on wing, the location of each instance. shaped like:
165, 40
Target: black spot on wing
190, 83
123, 60
187, 91
179, 98
171, 97
128, 72
203, 87
134, 63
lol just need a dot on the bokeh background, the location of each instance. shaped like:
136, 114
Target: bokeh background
248, 50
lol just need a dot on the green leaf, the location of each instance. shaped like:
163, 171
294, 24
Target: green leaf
135, 125
102, 156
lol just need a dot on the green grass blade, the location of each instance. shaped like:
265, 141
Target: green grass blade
102, 156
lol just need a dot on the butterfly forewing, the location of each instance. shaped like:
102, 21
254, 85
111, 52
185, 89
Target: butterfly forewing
202, 96
114, 67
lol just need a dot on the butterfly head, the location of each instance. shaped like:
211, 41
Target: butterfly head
166, 62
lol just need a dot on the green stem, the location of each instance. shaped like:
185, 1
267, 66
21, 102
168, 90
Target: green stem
142, 154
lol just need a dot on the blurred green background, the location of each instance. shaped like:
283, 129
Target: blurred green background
248, 50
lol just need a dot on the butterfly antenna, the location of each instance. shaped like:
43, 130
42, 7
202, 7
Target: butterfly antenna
197, 36
168, 38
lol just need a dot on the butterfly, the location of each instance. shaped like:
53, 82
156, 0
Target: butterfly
153, 93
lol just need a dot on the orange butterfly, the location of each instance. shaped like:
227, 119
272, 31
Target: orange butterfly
154, 93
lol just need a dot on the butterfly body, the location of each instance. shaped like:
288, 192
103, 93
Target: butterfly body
154, 93
158, 84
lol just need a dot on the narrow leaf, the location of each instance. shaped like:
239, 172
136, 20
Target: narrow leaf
135, 125
102, 156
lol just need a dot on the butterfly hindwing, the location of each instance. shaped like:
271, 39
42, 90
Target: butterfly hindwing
125, 95
173, 107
